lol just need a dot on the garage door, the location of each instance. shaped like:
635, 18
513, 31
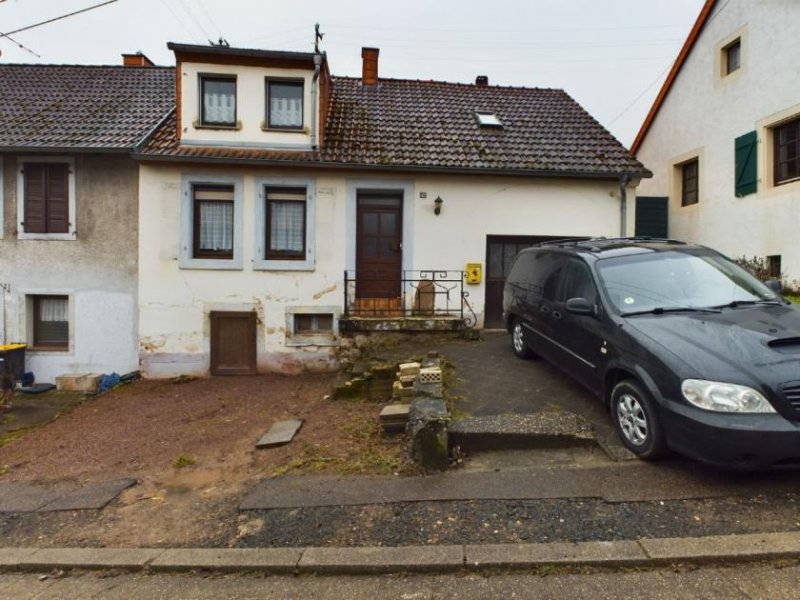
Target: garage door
500, 253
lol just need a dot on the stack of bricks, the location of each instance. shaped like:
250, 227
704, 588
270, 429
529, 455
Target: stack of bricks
403, 388
393, 418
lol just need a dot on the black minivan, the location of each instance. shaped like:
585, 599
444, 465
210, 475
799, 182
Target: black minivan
689, 351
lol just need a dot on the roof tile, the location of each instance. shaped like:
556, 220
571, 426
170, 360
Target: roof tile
82, 107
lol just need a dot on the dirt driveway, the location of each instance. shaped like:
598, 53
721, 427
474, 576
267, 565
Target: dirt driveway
192, 447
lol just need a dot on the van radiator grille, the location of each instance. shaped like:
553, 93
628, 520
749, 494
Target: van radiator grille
791, 391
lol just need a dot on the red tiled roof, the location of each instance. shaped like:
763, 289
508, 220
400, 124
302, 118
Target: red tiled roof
432, 125
82, 107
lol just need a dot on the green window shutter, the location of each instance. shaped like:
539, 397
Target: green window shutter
746, 164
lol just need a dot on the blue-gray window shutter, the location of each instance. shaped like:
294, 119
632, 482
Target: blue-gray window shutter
746, 164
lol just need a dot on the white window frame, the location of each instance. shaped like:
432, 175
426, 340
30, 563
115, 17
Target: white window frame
71, 235
259, 262
322, 338
186, 258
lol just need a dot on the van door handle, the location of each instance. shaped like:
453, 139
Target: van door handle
556, 314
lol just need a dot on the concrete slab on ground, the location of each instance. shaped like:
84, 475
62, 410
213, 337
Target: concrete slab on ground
24, 497
619, 482
606, 554
436, 559
280, 433
90, 497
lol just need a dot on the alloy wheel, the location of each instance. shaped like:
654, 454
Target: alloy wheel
632, 419
518, 338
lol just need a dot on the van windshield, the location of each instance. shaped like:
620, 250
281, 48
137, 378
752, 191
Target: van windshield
673, 279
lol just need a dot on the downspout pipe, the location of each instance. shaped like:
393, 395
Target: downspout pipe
314, 107
623, 204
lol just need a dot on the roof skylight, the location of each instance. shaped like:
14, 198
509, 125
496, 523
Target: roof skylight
487, 119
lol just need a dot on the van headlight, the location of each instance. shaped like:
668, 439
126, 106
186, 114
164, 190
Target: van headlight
724, 397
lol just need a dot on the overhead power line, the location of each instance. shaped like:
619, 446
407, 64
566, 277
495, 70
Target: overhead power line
77, 12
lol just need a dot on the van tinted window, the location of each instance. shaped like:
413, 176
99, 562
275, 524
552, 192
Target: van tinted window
537, 273
579, 282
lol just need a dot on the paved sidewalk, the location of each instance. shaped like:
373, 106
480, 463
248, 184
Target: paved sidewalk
769, 581
644, 553
626, 482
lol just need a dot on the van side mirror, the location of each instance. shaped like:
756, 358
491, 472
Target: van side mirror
580, 306
774, 285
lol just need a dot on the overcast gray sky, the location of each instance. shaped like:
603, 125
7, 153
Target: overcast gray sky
610, 55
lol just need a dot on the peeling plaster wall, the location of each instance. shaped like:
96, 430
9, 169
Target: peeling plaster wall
175, 303
97, 270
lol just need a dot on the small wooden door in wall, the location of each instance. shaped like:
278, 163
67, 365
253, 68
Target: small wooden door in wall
233, 343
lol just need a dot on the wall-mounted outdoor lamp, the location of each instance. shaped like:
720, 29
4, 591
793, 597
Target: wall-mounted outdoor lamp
437, 205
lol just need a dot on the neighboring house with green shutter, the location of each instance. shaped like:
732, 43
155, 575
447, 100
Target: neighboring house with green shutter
723, 136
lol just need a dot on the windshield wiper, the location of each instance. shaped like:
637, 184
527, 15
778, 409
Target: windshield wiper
737, 303
660, 310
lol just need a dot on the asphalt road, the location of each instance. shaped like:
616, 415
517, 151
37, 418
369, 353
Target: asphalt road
770, 581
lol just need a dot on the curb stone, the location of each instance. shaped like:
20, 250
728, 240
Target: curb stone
654, 552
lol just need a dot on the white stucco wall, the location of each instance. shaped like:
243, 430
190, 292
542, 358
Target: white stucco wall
250, 106
96, 270
704, 113
175, 302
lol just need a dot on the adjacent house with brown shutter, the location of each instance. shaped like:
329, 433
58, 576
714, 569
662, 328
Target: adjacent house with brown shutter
69, 210
281, 207
723, 135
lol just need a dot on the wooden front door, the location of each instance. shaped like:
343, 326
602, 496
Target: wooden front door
233, 343
379, 245
500, 253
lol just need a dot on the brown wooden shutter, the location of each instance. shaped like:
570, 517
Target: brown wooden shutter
34, 219
57, 198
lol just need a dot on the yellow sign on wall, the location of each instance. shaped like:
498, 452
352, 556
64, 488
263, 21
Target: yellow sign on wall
474, 271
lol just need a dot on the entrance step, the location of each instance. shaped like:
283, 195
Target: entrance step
509, 432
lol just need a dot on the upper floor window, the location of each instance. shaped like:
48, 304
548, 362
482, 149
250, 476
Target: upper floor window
213, 221
218, 100
286, 223
690, 182
284, 104
787, 152
732, 55
46, 203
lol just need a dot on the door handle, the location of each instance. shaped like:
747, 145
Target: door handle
556, 314
544, 309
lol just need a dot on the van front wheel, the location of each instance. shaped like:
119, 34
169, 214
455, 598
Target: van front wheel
636, 420
519, 341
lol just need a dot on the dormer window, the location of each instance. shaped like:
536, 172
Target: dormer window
218, 100
488, 119
284, 104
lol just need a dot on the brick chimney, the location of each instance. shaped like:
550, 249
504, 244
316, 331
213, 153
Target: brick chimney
137, 59
369, 65
482, 80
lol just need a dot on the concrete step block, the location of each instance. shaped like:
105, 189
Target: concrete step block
78, 382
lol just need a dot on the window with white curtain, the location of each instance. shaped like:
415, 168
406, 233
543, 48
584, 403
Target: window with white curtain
213, 221
219, 101
285, 104
286, 223
50, 322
